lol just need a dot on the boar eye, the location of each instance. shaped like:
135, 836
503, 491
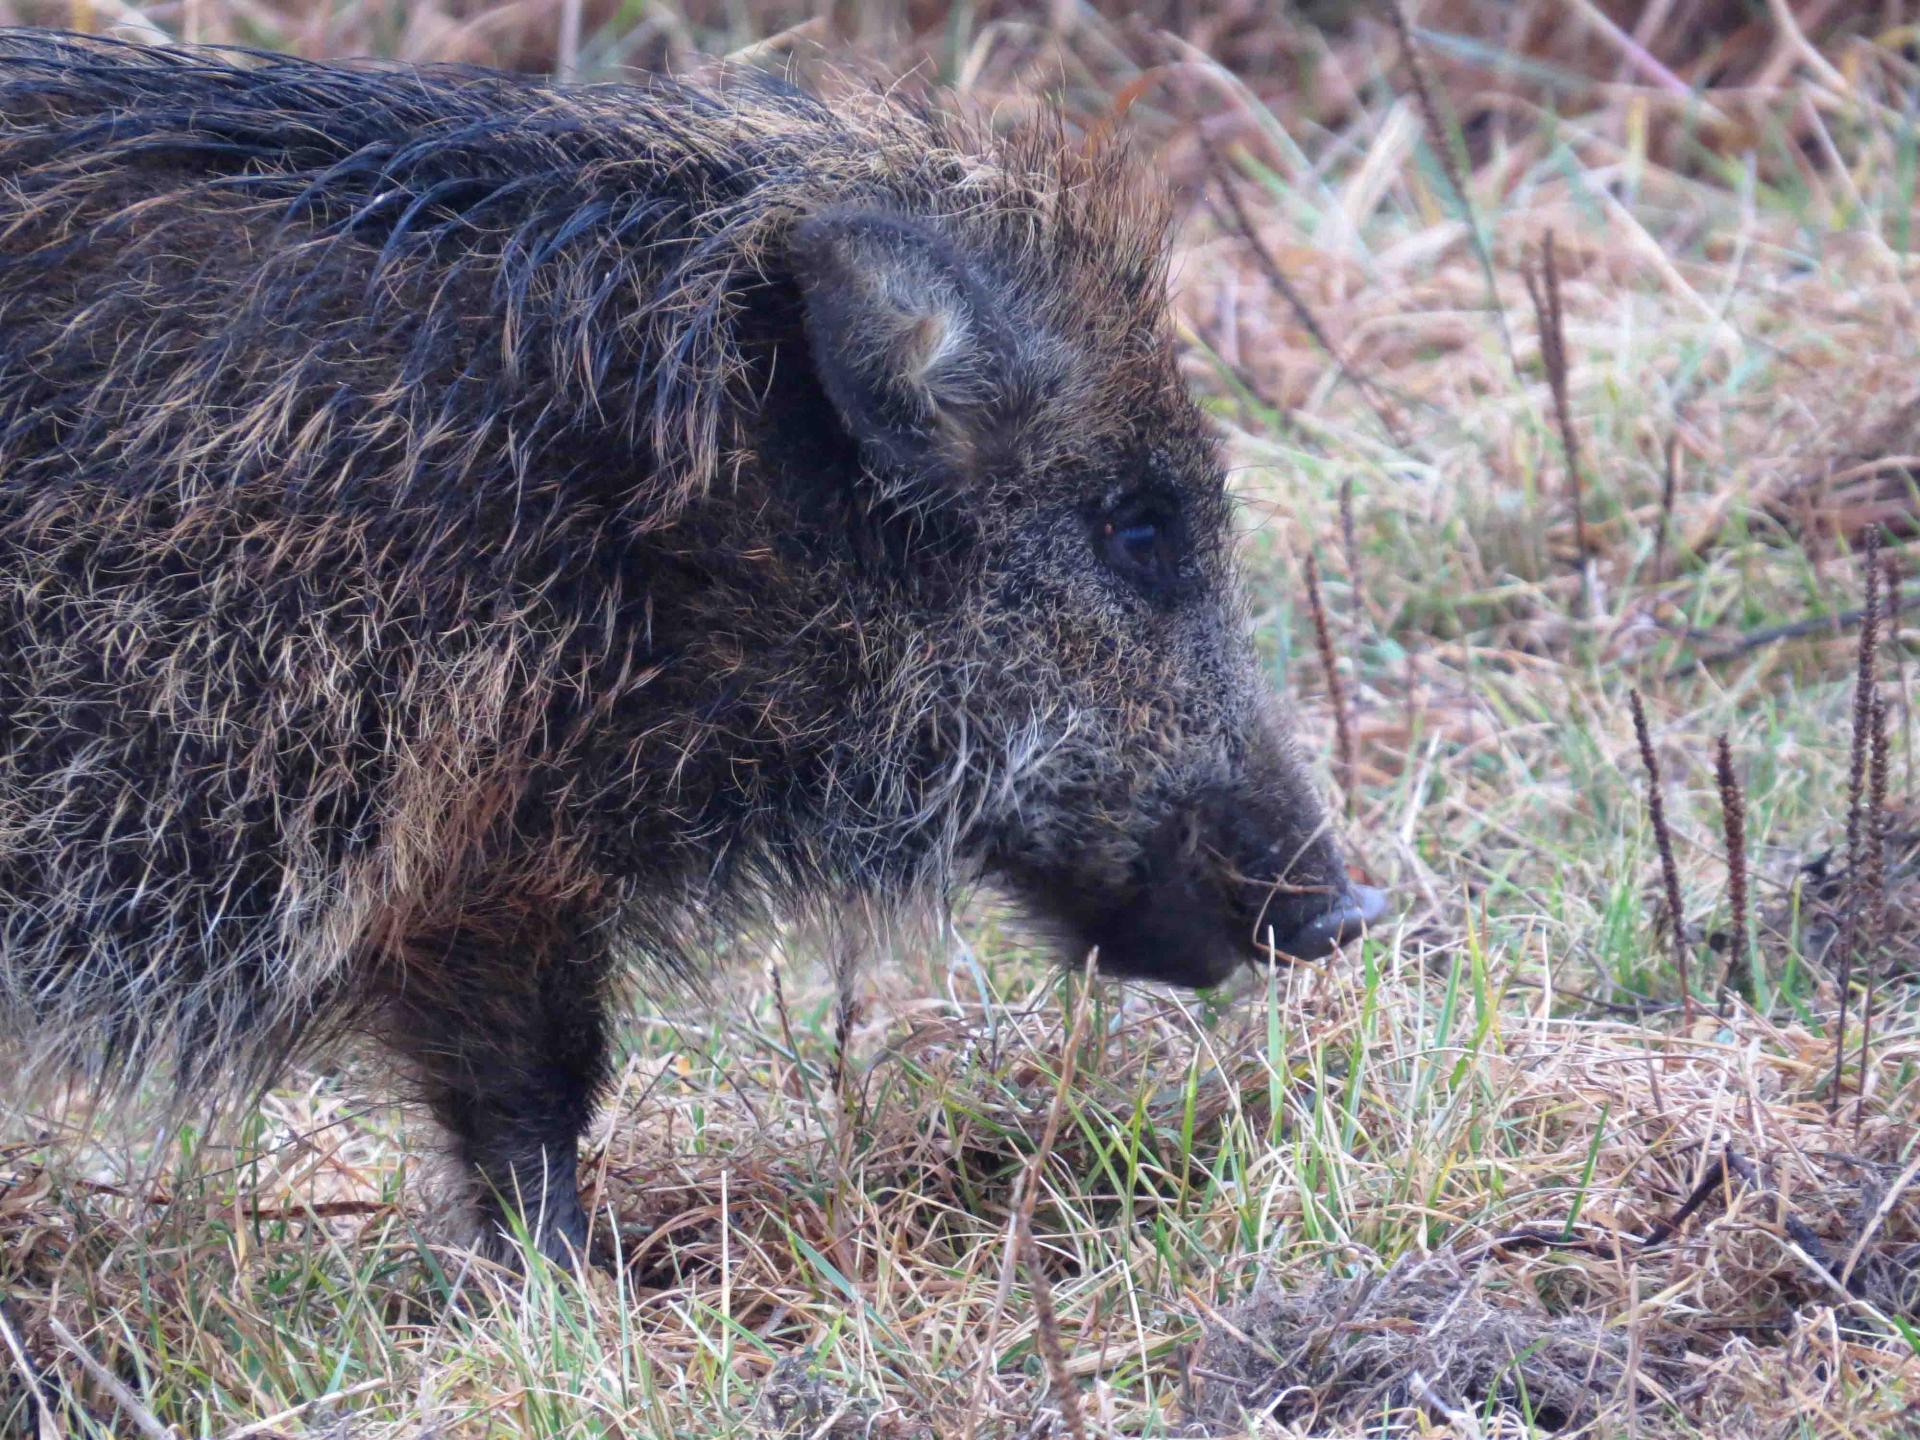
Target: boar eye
1137, 539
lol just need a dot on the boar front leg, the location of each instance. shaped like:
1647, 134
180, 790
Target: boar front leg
506, 1030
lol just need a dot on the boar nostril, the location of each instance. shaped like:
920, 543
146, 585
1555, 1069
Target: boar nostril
1346, 919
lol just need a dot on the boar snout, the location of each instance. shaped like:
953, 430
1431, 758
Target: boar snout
1319, 933
1208, 892
1291, 898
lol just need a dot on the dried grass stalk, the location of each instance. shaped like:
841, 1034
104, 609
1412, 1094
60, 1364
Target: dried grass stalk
1733, 819
1242, 227
1663, 840
1336, 692
1544, 288
1021, 1232
1878, 825
1859, 826
1349, 540
1669, 481
1047, 1331
1440, 142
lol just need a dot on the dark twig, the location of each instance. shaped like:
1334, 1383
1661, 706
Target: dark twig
1241, 224
1792, 630
319, 1210
1613, 1247
1639, 1009
1544, 289
1438, 141
1733, 820
1730, 1166
1878, 825
845, 1009
1349, 543
1360, 611
1880, 822
1336, 692
1743, 1167
1897, 652
1669, 480
1857, 823
798, 1074
1803, 1235
1663, 840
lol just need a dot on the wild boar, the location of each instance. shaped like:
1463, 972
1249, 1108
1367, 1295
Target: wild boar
459, 534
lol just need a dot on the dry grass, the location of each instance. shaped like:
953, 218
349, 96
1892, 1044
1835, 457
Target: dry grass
1479, 1178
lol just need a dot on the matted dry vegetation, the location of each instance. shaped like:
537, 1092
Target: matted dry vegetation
1488, 1176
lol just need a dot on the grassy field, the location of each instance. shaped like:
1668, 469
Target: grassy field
1495, 1171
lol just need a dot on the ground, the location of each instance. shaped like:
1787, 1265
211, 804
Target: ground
1523, 1161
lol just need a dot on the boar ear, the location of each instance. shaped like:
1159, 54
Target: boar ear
908, 344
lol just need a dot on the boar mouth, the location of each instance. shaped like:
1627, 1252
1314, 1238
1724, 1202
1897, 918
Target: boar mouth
1345, 917
1184, 916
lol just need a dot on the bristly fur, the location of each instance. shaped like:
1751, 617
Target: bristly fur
611, 235
456, 531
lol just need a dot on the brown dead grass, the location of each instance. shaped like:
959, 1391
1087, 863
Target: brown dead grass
1424, 1336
